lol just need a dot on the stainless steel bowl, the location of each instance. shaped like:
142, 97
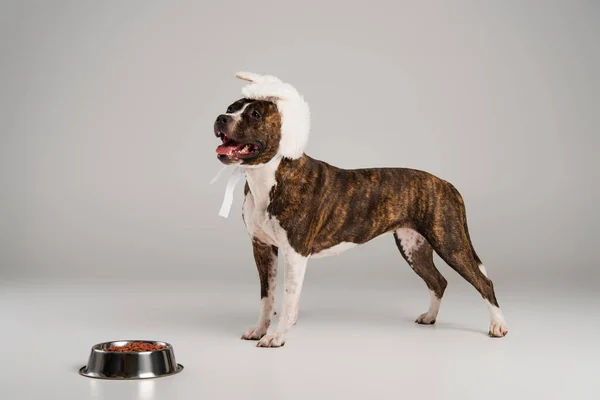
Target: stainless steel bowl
104, 364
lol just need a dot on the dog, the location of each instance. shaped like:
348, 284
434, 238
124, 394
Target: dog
296, 207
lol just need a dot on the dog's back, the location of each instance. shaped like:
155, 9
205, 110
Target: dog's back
320, 204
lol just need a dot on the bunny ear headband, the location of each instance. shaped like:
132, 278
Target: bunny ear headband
295, 123
294, 111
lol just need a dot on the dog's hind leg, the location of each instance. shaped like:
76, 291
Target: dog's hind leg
464, 263
450, 239
418, 253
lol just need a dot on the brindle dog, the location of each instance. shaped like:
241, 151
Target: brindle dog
301, 207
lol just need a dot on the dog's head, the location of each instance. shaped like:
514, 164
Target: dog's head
271, 120
250, 131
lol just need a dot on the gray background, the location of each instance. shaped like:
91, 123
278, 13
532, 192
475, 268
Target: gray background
106, 112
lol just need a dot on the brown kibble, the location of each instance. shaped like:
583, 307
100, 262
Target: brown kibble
136, 347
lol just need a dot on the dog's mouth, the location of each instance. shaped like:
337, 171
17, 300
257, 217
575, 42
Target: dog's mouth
234, 150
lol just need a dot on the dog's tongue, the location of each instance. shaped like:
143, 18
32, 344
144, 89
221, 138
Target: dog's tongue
228, 148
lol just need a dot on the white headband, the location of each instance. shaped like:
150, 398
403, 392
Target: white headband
294, 111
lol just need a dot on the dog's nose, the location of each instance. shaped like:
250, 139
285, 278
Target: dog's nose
223, 119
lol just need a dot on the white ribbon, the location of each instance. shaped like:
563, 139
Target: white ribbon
235, 177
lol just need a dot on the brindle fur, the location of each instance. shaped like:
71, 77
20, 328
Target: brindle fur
265, 256
320, 205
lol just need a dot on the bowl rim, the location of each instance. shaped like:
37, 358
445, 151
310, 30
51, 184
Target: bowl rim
98, 347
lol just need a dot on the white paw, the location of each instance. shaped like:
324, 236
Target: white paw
426, 319
272, 340
498, 329
254, 333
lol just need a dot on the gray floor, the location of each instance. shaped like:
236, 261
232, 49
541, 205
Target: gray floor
349, 343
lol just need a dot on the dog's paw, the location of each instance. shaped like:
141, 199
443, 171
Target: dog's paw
426, 319
273, 340
254, 333
498, 329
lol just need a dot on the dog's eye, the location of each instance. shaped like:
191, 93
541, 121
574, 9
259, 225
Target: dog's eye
255, 114
229, 110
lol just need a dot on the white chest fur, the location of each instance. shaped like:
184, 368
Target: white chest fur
260, 226
335, 250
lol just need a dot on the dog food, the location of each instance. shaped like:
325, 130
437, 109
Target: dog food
135, 347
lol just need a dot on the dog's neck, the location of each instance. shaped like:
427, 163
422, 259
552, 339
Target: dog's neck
261, 180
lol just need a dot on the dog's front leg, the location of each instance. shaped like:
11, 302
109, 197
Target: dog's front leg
295, 268
265, 257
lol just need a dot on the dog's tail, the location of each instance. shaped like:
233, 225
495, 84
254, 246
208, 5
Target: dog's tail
463, 212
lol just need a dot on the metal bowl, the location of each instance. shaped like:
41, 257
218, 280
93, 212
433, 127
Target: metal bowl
104, 364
